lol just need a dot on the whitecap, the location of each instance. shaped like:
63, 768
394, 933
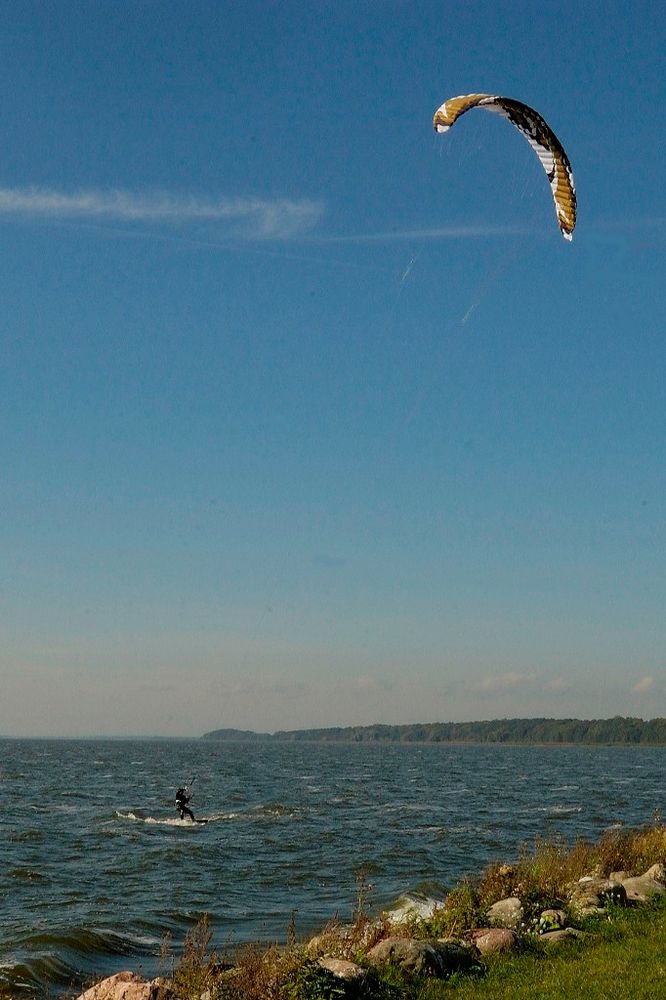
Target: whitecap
413, 904
156, 821
559, 810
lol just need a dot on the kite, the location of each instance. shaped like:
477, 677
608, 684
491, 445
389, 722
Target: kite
541, 138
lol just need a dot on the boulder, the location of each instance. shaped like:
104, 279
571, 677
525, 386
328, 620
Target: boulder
641, 887
425, 958
343, 969
558, 937
411, 955
591, 894
490, 940
658, 872
506, 913
122, 986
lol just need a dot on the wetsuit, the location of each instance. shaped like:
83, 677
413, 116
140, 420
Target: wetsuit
182, 798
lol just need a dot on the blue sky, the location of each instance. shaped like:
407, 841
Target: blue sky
309, 415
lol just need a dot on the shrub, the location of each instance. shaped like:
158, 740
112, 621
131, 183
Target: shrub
459, 913
196, 970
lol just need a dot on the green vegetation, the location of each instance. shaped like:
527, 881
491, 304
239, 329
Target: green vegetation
620, 955
622, 958
617, 731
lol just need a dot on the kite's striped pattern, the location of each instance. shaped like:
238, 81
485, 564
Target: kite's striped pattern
541, 138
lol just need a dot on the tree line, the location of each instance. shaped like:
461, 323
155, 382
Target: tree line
618, 730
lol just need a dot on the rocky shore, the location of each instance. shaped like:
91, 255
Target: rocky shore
406, 937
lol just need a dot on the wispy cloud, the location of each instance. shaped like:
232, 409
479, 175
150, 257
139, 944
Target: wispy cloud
256, 218
503, 682
457, 231
248, 218
643, 685
453, 232
557, 685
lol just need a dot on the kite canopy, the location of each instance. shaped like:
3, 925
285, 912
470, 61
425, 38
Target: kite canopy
541, 138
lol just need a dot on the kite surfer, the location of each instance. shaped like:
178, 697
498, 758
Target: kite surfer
182, 798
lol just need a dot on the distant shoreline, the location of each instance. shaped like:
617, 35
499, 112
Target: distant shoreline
617, 731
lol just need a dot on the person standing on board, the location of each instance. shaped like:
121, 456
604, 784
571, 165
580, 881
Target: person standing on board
182, 798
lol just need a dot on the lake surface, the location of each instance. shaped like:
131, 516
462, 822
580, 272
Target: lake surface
96, 868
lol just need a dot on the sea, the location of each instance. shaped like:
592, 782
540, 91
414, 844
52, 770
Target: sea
98, 873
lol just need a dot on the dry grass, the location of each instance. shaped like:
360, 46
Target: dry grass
545, 873
260, 974
197, 969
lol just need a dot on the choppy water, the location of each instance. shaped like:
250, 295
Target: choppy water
95, 867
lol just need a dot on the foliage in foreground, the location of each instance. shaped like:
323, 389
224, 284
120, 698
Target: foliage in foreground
621, 957
546, 873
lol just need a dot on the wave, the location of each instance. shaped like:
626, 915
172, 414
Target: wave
32, 975
26, 836
28, 875
273, 810
68, 957
174, 820
414, 904
156, 821
559, 810
90, 941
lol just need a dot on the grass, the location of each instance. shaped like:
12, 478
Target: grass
621, 957
620, 960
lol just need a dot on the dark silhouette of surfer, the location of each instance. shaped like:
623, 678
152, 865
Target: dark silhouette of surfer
182, 798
